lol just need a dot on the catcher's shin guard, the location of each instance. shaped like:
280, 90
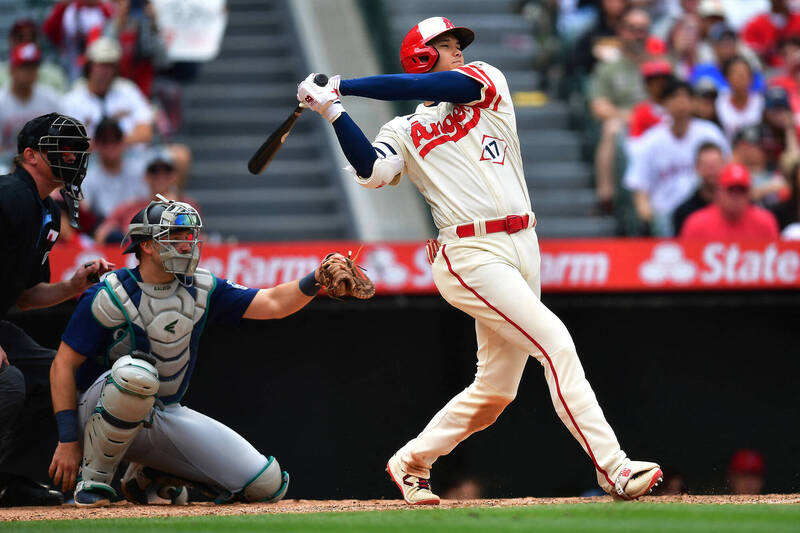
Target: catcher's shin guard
127, 397
269, 485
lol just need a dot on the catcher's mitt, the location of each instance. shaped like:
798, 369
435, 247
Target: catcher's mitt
341, 276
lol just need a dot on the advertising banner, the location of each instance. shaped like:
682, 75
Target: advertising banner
597, 265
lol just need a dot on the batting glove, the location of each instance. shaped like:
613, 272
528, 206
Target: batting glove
323, 100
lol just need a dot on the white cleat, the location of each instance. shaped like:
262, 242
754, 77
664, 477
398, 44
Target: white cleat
416, 490
637, 478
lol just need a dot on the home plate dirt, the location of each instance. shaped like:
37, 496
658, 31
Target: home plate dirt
126, 510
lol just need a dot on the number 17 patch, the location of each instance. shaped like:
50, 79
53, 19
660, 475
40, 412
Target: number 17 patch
494, 150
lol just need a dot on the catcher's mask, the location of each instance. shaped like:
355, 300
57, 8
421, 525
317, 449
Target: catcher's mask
62, 140
159, 221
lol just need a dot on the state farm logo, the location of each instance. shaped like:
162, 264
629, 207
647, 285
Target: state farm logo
721, 264
575, 268
253, 270
729, 264
454, 127
667, 265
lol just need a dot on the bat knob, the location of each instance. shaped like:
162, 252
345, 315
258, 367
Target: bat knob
321, 80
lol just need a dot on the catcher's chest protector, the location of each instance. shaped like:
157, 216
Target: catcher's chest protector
165, 321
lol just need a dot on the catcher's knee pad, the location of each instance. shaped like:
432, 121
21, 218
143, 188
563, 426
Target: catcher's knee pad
127, 398
269, 485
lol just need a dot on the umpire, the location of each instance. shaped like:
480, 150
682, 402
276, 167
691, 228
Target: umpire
52, 153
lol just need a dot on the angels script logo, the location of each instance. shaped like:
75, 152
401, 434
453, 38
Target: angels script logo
454, 127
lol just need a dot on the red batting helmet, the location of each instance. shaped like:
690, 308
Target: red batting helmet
416, 55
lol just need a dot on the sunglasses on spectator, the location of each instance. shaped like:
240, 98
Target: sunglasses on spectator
159, 169
637, 29
738, 189
108, 139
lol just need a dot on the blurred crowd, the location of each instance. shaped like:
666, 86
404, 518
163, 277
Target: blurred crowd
104, 63
694, 108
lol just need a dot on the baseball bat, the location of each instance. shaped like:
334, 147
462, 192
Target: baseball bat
259, 161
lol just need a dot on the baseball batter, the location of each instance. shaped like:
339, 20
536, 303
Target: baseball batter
460, 148
125, 362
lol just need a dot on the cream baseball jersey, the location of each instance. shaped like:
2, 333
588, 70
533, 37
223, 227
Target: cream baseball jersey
464, 158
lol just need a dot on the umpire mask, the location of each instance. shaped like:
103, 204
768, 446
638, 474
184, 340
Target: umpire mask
161, 221
62, 140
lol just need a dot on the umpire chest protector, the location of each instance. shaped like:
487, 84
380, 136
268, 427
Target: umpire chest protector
163, 319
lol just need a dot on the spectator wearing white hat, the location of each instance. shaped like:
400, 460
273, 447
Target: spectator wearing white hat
711, 12
102, 93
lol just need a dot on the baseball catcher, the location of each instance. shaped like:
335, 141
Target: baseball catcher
125, 361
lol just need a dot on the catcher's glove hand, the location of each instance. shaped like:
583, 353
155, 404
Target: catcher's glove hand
341, 276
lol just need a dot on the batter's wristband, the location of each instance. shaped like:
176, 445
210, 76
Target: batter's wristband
67, 421
309, 285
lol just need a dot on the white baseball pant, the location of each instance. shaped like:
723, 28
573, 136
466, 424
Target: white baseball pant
495, 279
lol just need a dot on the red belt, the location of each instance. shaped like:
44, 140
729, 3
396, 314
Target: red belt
509, 224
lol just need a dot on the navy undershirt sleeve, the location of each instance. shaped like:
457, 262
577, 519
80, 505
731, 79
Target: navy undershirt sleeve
355, 145
448, 86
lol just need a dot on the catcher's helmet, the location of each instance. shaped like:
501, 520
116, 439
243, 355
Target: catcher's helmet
62, 140
156, 222
416, 56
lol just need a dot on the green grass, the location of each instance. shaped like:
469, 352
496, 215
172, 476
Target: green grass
616, 518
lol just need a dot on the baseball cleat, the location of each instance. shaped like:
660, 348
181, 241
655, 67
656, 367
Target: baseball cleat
636, 478
416, 490
19, 491
141, 485
93, 494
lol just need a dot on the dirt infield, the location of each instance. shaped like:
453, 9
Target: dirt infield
126, 510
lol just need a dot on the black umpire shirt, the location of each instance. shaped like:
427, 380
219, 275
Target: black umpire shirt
29, 227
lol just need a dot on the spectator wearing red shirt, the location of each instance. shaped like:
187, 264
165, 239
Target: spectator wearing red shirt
134, 26
646, 114
731, 216
765, 32
70, 25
